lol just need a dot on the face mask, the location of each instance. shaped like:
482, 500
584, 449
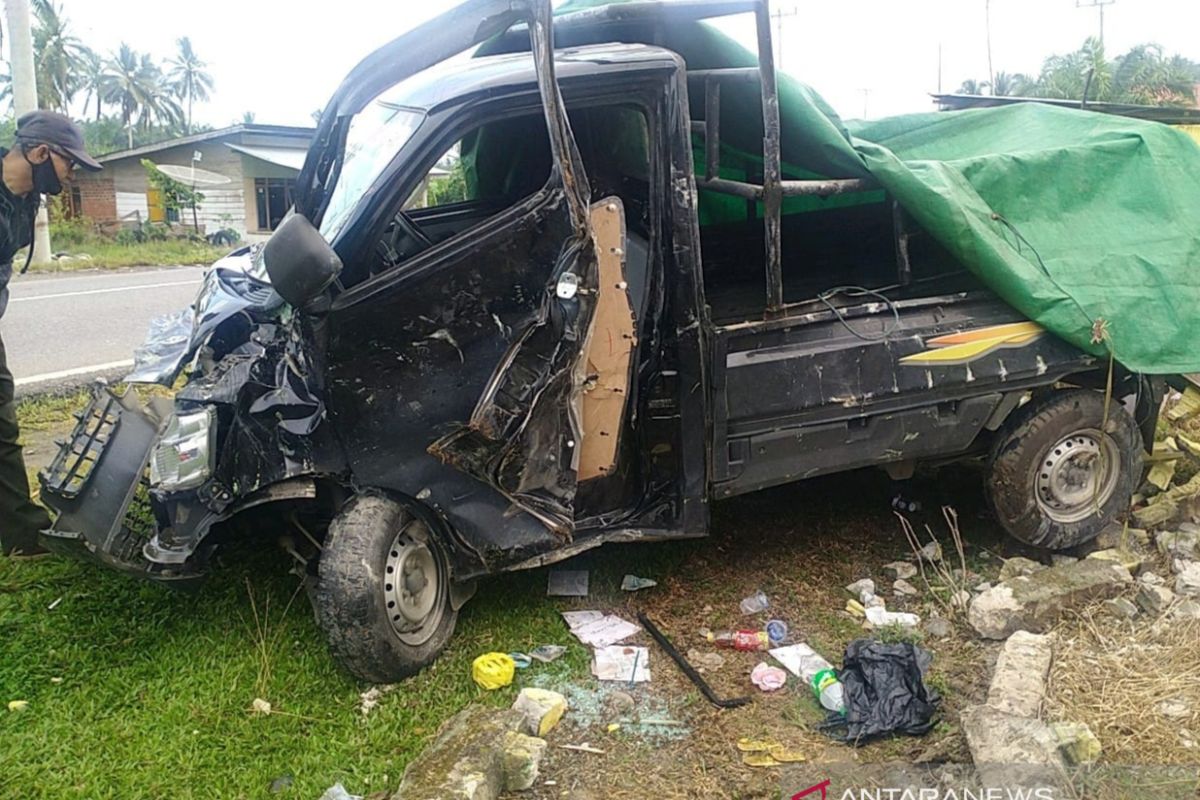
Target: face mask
45, 179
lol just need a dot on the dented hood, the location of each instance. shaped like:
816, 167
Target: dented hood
237, 285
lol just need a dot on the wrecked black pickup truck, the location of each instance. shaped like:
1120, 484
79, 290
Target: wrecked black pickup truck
521, 308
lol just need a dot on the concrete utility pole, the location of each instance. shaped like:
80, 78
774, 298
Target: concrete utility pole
24, 99
778, 15
1099, 5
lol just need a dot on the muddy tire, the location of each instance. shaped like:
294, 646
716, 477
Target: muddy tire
382, 594
1055, 478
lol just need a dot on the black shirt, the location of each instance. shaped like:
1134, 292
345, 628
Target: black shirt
16, 229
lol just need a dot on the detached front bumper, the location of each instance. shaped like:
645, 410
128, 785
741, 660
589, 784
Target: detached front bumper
93, 481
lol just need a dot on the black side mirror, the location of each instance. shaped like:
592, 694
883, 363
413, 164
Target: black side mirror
299, 261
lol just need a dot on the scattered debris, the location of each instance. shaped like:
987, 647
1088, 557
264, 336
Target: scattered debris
371, 697
477, 753
705, 660
1121, 607
493, 670
18, 705
541, 710
632, 583
818, 674
1178, 544
338, 792
567, 583
595, 629
687, 668
885, 692
768, 678
900, 570
54, 605
866, 587
856, 609
1076, 742
903, 587
879, 617
621, 663
1035, 602
1174, 708
547, 653
582, 748
1126, 558
939, 627
777, 631
521, 660
1154, 599
755, 603
282, 783
260, 706
767, 753
747, 640
1018, 566
931, 552
1187, 610
1019, 680
1150, 579
1187, 579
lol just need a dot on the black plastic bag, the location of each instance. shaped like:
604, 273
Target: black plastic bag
885, 692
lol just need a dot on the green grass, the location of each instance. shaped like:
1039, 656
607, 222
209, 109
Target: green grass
156, 687
106, 254
52, 411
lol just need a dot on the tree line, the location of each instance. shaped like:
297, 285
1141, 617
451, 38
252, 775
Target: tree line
1145, 75
136, 100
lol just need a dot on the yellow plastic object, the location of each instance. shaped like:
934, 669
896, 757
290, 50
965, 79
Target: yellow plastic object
493, 670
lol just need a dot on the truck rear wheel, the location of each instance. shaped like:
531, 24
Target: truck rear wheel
383, 590
1059, 473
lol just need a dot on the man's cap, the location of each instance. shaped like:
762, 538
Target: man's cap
57, 131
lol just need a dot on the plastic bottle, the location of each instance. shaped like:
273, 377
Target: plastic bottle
739, 640
820, 675
755, 603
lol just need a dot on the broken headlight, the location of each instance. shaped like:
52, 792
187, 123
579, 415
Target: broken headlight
183, 458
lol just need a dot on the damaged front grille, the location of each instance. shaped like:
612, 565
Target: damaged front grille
77, 457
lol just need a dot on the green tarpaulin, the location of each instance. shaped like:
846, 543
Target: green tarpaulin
1081, 221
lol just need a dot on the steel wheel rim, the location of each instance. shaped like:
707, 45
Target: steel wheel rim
1077, 475
414, 583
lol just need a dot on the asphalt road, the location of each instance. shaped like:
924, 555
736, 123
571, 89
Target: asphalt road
64, 330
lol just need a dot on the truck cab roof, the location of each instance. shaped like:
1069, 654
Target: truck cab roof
461, 77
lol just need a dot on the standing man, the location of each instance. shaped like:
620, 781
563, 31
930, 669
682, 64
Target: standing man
48, 146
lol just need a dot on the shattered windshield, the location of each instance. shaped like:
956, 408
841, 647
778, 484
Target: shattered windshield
376, 134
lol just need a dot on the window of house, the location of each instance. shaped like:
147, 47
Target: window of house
273, 199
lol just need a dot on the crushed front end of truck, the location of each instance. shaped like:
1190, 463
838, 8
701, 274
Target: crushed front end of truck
139, 486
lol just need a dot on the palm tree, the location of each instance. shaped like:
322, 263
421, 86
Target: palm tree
57, 56
248, 118
1145, 75
188, 78
135, 84
1010, 84
972, 86
91, 80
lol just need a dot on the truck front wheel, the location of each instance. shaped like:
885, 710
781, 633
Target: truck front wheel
382, 593
1059, 472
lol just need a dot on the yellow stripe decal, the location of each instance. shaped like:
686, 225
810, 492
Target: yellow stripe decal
966, 346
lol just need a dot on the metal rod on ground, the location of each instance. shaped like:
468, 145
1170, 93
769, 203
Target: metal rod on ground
687, 668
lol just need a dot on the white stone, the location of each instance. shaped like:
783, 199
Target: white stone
904, 587
1009, 750
1019, 680
1187, 581
1154, 599
900, 570
541, 709
1035, 602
